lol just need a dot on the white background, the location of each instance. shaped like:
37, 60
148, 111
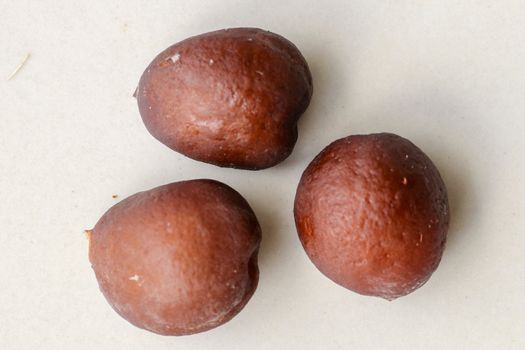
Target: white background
448, 75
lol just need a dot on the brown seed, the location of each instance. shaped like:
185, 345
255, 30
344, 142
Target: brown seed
230, 97
365, 229
177, 259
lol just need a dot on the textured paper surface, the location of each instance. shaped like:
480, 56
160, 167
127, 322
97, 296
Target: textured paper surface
448, 75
